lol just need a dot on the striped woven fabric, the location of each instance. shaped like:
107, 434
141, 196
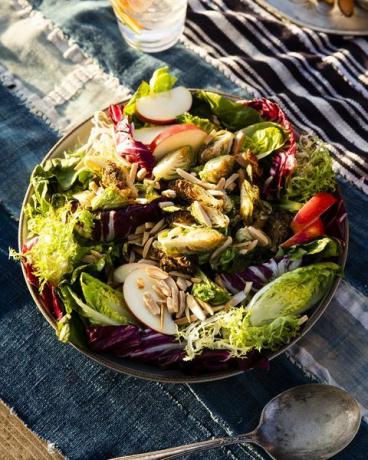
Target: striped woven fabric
60, 64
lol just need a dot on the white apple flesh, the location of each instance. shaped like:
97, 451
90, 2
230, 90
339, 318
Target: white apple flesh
120, 273
134, 299
147, 135
176, 136
163, 108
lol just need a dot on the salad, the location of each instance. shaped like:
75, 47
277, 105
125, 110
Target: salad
189, 231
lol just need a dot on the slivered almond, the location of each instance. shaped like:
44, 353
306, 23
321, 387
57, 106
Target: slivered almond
206, 307
182, 304
190, 178
187, 314
237, 143
216, 193
151, 304
131, 257
157, 226
148, 225
185, 320
195, 280
142, 173
162, 316
236, 299
199, 208
141, 200
194, 306
159, 292
166, 204
147, 247
247, 287
172, 306
219, 281
230, 180
221, 183
131, 186
134, 237
257, 234
146, 235
182, 283
156, 273
140, 283
171, 194
164, 288
218, 308
139, 229
175, 299
222, 248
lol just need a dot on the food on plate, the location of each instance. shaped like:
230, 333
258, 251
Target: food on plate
190, 230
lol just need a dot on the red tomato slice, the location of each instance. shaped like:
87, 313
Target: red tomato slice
307, 234
312, 210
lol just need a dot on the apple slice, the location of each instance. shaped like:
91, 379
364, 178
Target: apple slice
137, 284
147, 135
176, 136
311, 211
121, 273
164, 107
305, 235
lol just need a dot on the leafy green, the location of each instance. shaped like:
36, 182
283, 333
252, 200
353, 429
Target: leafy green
224, 261
203, 123
109, 198
104, 299
292, 293
160, 81
70, 327
208, 291
325, 247
231, 330
232, 115
313, 173
263, 138
56, 249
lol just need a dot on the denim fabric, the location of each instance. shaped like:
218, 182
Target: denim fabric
91, 412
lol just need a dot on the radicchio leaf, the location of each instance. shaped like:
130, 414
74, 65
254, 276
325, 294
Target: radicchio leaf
127, 147
260, 274
119, 223
284, 161
134, 342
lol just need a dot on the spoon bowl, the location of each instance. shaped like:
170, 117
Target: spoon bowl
308, 421
312, 422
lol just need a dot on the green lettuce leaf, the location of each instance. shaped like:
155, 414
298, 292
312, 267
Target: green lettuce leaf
209, 291
109, 198
203, 123
292, 293
232, 115
104, 300
325, 247
263, 138
160, 81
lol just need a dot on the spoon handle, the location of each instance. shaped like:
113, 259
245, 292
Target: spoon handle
176, 452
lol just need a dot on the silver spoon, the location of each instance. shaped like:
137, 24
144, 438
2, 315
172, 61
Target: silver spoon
312, 422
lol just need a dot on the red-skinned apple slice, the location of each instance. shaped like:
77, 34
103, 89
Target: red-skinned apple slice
175, 137
164, 107
312, 210
147, 135
313, 230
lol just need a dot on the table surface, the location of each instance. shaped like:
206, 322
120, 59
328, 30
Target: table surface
60, 61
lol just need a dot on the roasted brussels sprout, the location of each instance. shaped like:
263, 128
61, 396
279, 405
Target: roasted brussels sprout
219, 145
188, 192
181, 241
211, 217
278, 227
114, 175
249, 196
179, 217
166, 168
181, 264
217, 168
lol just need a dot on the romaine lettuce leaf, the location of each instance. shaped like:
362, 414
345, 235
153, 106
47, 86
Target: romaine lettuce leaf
325, 248
263, 138
292, 293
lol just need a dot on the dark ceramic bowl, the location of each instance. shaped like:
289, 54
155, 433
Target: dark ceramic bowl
145, 371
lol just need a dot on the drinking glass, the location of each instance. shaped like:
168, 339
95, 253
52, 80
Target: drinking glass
150, 25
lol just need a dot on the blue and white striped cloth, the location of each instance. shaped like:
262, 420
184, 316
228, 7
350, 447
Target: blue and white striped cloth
61, 61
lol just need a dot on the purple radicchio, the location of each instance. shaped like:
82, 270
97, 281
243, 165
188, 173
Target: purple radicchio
127, 147
134, 342
260, 274
284, 161
119, 223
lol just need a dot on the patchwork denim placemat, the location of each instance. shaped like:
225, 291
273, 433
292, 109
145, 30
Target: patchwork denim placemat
60, 61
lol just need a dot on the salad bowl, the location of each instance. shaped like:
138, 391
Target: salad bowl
78, 136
